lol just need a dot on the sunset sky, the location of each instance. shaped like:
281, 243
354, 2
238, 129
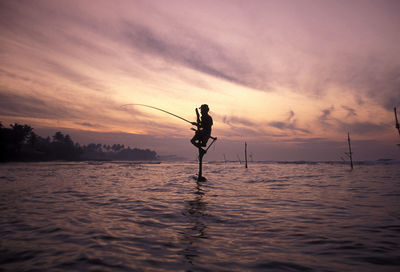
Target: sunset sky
289, 77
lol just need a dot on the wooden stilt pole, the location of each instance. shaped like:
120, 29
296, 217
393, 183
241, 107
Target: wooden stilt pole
350, 153
396, 120
202, 152
201, 155
245, 153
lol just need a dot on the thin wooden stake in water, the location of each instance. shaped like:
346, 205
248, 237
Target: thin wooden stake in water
350, 153
245, 153
397, 120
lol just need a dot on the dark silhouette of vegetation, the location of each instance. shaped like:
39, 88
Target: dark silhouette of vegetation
20, 143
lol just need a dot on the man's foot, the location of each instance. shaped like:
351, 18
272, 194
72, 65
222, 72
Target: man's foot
195, 144
202, 151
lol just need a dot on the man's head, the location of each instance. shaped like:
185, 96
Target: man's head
204, 109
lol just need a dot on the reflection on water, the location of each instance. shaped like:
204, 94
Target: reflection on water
121, 216
195, 210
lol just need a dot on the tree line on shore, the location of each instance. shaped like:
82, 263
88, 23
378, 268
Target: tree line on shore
21, 143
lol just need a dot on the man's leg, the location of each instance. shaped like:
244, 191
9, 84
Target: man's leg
203, 141
195, 140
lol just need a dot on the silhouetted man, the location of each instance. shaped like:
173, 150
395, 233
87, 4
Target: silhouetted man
204, 125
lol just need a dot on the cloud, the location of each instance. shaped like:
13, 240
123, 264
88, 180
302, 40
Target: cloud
350, 111
90, 125
99, 116
310, 60
74, 76
291, 115
310, 66
326, 114
237, 121
364, 128
14, 76
66, 49
184, 46
376, 77
30, 106
240, 126
290, 124
329, 122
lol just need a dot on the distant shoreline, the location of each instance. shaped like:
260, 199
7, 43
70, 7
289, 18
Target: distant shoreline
19, 143
159, 161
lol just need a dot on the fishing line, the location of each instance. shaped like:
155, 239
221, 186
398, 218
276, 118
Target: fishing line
155, 108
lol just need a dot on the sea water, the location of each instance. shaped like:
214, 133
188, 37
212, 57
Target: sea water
124, 216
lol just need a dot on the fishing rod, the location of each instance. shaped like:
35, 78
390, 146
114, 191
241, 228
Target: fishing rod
155, 108
177, 116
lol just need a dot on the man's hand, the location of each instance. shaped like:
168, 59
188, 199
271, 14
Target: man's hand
194, 123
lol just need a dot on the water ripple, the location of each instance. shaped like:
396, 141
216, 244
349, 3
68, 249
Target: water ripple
121, 216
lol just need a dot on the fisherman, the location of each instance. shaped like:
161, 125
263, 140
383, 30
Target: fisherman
203, 132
